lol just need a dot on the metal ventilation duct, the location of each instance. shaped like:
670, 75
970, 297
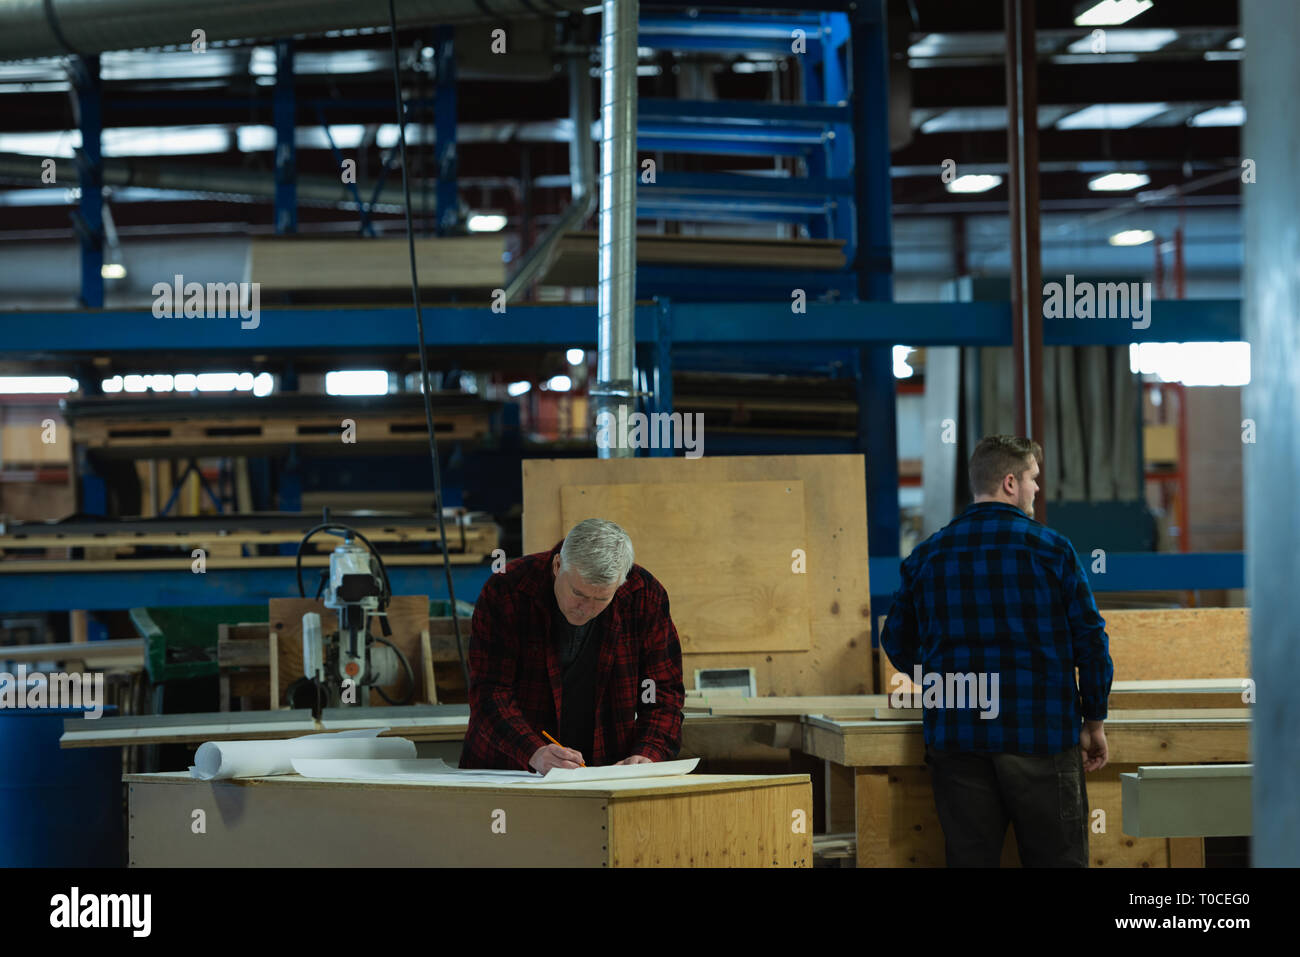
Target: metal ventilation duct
616, 264
37, 28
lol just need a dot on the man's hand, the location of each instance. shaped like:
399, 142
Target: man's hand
554, 756
1092, 741
635, 759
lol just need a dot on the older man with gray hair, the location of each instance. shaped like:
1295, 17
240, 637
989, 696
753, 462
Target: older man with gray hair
576, 643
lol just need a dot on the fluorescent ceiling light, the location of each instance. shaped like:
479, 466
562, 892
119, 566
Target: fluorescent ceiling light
263, 382
1237, 43
518, 388
216, 381
486, 222
355, 382
1193, 363
974, 183
576, 357
1132, 237
1109, 13
1111, 116
1234, 114
27, 384
58, 145
112, 271
559, 383
1119, 181
1127, 41
165, 140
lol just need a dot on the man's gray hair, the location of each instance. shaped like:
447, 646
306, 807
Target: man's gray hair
599, 551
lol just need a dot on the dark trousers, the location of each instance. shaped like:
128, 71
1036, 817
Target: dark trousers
1043, 795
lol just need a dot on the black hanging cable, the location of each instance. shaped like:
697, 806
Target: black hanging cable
419, 329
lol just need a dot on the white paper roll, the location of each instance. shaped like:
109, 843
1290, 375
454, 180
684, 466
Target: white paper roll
219, 760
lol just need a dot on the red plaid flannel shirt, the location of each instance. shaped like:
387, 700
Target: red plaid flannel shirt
515, 679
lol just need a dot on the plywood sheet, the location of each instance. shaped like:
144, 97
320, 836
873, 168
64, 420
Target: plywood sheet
838, 660
458, 262
1179, 643
721, 549
749, 827
1162, 643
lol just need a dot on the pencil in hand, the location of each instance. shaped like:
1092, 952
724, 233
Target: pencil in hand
553, 741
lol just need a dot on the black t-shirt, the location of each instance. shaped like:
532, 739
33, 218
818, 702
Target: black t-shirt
578, 649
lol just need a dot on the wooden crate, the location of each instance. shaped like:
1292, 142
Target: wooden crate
694, 820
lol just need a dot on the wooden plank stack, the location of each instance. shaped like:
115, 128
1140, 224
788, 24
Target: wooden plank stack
572, 260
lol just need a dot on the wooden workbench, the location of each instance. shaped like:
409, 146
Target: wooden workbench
286, 821
896, 822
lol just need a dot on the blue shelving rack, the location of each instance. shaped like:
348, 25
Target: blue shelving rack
698, 322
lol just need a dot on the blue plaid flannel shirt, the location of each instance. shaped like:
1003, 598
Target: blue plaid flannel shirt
996, 592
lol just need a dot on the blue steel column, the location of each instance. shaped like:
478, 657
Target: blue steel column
877, 421
1271, 302
447, 203
286, 150
839, 147
90, 169
661, 373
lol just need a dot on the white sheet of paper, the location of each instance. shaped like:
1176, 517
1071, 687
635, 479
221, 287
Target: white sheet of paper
618, 772
436, 771
220, 760
406, 769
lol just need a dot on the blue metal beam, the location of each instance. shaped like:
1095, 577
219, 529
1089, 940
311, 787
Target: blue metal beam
1125, 571
743, 186
740, 145
45, 334
748, 34
68, 591
444, 118
766, 134
114, 590
742, 113
286, 148
90, 170
873, 259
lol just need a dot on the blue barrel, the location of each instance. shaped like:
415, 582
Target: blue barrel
58, 807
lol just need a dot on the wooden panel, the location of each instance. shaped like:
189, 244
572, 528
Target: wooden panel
897, 822
1154, 643
316, 264
408, 615
23, 444
839, 658
253, 824
898, 825
721, 549
1188, 737
751, 827
1179, 643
